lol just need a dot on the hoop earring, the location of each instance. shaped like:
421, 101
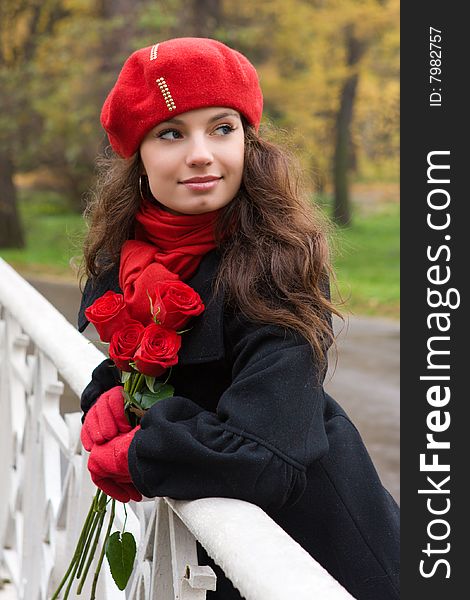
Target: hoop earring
144, 190
143, 181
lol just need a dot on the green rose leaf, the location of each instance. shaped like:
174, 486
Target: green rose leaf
150, 381
120, 552
125, 376
130, 401
164, 389
148, 399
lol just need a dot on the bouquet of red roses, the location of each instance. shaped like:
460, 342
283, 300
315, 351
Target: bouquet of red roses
145, 344
144, 337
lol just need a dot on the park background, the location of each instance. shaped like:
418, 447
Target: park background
329, 70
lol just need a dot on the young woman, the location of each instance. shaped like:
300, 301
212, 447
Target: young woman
193, 192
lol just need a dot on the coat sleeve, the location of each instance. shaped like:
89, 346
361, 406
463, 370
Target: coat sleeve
104, 377
267, 429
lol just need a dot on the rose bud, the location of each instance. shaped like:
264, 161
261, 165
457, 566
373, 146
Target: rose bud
180, 303
108, 313
158, 310
124, 344
158, 350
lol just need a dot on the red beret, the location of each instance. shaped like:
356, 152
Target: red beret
172, 77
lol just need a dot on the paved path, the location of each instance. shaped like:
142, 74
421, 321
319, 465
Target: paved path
365, 381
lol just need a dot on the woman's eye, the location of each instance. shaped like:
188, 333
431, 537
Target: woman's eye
227, 128
172, 134
166, 132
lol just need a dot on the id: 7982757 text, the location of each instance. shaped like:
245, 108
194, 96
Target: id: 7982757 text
435, 70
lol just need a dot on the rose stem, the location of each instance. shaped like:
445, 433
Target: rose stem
79, 545
72, 577
168, 376
99, 527
125, 518
103, 550
137, 382
89, 537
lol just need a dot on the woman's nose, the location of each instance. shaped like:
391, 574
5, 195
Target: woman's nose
199, 152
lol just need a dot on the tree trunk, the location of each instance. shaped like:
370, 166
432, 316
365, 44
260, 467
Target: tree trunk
11, 231
341, 162
342, 203
115, 45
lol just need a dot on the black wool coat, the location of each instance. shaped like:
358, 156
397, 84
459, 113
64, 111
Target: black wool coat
250, 420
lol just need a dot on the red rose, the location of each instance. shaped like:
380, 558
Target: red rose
124, 343
138, 282
158, 350
108, 314
178, 302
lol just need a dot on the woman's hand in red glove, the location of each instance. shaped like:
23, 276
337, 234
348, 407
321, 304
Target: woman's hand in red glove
109, 469
106, 419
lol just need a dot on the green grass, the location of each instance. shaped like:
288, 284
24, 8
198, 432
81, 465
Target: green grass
367, 262
53, 236
366, 255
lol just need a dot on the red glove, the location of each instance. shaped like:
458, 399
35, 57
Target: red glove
109, 470
105, 420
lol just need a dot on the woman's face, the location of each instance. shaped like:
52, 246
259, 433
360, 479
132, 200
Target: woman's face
194, 162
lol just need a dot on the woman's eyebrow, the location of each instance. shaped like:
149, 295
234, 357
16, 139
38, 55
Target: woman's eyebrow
222, 116
211, 120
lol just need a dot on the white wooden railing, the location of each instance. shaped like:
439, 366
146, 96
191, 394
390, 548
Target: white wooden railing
46, 490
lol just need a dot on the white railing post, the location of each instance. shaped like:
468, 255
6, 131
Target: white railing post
16, 377
190, 580
8, 441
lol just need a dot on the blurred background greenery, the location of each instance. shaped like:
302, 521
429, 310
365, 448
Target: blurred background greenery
329, 71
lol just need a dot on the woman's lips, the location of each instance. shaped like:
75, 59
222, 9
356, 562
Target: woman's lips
202, 186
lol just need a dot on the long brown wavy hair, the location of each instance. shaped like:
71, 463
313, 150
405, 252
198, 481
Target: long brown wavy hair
275, 264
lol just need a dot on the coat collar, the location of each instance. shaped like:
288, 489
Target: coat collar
204, 342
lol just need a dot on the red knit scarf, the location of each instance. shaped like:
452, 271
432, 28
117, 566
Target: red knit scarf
167, 247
